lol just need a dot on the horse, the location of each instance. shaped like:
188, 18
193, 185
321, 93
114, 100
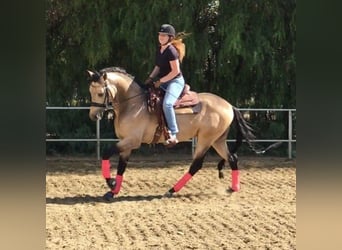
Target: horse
114, 88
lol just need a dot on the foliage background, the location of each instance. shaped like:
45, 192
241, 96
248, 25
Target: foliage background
244, 51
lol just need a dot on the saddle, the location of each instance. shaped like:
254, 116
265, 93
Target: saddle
187, 103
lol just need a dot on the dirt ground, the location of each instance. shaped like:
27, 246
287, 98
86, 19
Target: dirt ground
203, 215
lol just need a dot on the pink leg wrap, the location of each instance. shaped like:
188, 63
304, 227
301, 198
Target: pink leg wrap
118, 183
182, 182
106, 169
235, 180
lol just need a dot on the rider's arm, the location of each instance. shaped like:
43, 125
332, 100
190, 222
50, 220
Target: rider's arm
152, 76
154, 72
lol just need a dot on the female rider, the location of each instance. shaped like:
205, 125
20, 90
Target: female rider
167, 69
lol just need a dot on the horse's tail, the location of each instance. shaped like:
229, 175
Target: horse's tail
244, 131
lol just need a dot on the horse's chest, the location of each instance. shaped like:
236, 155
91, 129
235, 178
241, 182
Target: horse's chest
119, 130
124, 129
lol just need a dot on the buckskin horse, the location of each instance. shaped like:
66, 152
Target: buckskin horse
134, 124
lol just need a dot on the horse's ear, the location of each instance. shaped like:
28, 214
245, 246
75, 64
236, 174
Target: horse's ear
90, 73
93, 76
105, 76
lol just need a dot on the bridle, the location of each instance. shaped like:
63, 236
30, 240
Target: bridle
106, 103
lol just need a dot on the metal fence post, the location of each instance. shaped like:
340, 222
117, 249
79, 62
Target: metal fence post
98, 138
290, 135
193, 145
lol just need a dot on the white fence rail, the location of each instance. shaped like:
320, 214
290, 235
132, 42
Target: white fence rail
98, 138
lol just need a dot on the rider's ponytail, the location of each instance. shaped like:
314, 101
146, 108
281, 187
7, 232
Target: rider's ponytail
177, 42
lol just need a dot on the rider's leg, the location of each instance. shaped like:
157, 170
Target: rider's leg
173, 89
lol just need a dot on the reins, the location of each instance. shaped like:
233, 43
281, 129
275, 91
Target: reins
129, 98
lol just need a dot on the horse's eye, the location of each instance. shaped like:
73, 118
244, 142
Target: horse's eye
100, 95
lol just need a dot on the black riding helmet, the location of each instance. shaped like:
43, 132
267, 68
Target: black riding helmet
167, 29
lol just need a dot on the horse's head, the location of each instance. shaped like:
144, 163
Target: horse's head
101, 94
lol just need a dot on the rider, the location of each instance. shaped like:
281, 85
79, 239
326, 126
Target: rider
167, 70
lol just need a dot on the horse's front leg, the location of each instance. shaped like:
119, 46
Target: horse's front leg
114, 184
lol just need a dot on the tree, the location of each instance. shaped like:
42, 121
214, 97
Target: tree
243, 51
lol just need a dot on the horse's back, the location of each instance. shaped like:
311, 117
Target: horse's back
214, 119
214, 101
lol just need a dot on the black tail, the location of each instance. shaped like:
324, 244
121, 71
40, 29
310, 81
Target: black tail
244, 131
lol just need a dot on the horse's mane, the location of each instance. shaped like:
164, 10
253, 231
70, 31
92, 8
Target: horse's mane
123, 71
115, 69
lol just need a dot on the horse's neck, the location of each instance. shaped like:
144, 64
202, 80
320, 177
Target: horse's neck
126, 91
129, 95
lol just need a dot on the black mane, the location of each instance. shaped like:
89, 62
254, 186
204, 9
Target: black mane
123, 71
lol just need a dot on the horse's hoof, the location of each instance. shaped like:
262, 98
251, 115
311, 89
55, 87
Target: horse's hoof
111, 182
109, 196
221, 175
168, 194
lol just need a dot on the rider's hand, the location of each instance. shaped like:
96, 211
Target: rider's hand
148, 81
157, 83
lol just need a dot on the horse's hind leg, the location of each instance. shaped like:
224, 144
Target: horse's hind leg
220, 166
233, 162
222, 149
195, 166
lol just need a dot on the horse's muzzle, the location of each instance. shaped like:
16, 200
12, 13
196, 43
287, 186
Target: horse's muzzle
96, 115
